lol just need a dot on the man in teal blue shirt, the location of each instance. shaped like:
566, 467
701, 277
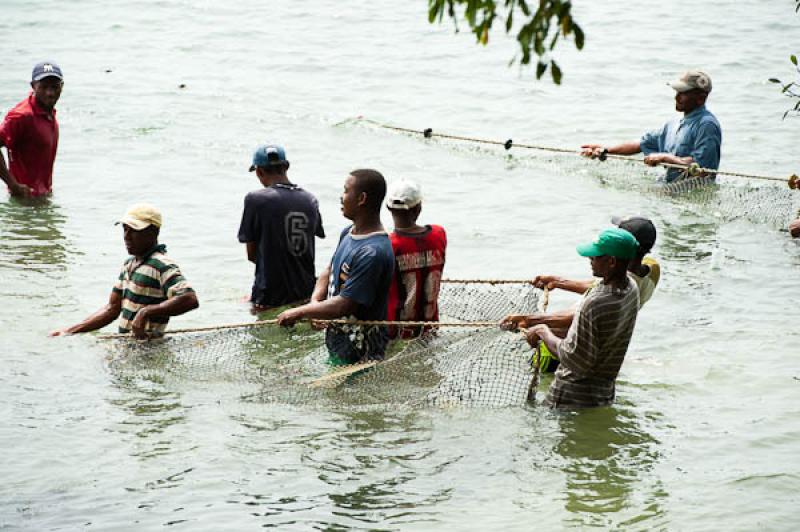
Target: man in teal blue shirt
695, 138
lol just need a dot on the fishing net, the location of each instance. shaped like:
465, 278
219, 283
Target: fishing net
469, 361
758, 199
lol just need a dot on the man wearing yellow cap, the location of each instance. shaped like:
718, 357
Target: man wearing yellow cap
694, 138
594, 348
150, 287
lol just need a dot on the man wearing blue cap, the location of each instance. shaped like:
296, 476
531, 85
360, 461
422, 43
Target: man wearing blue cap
592, 352
278, 227
30, 134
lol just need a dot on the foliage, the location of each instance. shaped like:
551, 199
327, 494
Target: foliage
539, 30
792, 88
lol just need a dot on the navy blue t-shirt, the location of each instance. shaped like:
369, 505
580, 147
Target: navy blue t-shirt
283, 220
361, 270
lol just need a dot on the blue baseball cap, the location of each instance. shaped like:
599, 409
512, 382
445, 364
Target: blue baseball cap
46, 69
613, 242
268, 155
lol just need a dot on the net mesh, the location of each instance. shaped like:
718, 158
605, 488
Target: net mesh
446, 366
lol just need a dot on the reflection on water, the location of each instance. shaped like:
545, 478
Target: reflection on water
152, 410
607, 458
31, 237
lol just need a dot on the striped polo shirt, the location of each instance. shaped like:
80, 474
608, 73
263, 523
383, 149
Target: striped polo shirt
149, 281
592, 352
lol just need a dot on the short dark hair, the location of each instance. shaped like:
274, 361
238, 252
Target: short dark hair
278, 168
373, 184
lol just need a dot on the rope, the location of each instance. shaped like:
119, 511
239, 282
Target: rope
537, 353
432, 324
689, 170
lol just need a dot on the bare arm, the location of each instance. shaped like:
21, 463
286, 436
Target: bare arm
321, 288
251, 251
794, 228
98, 320
171, 307
552, 281
543, 333
329, 309
596, 150
654, 159
557, 320
16, 188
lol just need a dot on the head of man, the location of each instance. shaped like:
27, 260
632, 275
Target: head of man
642, 229
691, 90
269, 163
363, 194
404, 201
141, 225
47, 82
610, 253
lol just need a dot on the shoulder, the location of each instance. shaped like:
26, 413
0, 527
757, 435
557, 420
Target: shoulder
708, 120
162, 262
655, 268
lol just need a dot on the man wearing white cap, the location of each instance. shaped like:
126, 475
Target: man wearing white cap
695, 138
150, 288
419, 252
30, 134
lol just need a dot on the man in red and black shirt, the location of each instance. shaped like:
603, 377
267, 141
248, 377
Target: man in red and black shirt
419, 252
30, 134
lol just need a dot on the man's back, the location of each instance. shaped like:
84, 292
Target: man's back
419, 261
594, 348
282, 220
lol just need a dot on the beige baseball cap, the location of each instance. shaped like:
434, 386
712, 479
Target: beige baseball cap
141, 216
692, 79
404, 195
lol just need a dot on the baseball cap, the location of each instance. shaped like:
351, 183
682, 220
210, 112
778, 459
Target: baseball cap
692, 79
614, 242
268, 155
141, 216
404, 195
46, 69
640, 227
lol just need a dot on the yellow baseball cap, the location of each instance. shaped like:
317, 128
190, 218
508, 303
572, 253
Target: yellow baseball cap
141, 216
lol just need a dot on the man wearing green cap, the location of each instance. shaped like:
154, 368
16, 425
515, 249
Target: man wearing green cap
592, 352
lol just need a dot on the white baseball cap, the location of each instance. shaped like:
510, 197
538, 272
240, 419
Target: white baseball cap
404, 195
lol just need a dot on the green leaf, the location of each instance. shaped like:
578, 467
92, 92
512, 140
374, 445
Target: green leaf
774, 80
540, 69
579, 36
555, 71
793, 59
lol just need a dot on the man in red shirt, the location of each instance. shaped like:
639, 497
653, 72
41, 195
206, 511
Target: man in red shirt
30, 134
419, 252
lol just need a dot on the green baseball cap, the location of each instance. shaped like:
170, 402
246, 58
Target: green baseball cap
614, 242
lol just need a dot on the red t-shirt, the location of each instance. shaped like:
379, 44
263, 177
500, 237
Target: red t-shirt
31, 136
414, 292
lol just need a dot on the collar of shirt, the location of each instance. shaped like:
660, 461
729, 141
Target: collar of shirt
694, 115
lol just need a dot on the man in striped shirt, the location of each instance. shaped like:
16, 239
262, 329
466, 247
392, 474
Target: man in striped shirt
593, 351
150, 287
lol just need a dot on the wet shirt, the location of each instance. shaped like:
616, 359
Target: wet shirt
594, 348
282, 220
361, 270
31, 136
698, 134
149, 281
414, 292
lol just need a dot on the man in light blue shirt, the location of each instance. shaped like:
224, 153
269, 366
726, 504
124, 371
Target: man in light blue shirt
695, 138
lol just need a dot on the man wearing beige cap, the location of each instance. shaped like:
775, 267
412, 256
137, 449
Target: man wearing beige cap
150, 287
695, 138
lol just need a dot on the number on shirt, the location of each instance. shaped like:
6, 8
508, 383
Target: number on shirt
296, 224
